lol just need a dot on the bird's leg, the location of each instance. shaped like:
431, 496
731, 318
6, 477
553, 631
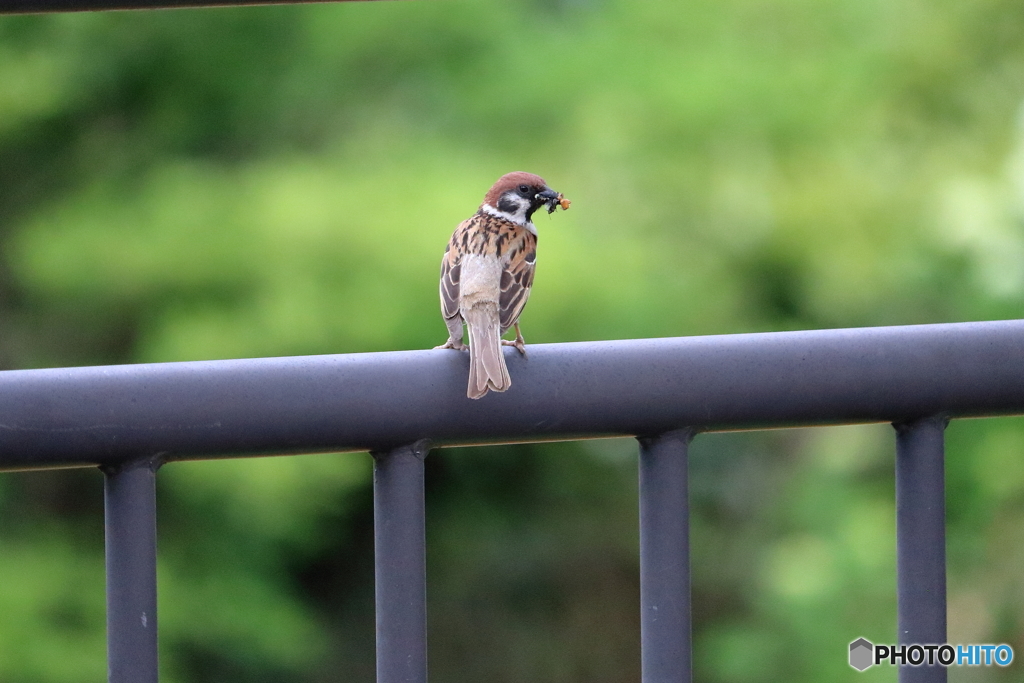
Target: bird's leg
519, 342
454, 334
453, 344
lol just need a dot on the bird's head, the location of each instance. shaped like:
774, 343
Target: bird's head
516, 196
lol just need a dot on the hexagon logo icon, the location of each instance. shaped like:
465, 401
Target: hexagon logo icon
861, 654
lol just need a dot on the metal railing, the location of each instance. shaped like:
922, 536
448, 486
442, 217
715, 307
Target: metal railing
131, 419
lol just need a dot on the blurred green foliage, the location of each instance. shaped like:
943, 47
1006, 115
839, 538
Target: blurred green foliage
218, 183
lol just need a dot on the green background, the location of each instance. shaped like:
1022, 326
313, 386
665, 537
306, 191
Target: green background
219, 183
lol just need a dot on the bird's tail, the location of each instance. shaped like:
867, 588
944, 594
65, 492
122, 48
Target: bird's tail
487, 369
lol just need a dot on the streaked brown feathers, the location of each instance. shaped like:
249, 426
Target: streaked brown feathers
483, 234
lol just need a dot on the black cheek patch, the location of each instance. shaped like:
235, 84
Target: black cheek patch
507, 205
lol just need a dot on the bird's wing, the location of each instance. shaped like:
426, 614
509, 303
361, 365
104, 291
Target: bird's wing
516, 281
451, 267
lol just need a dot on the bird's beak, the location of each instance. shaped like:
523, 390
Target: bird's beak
549, 198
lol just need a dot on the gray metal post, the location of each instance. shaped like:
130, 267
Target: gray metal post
665, 652
130, 530
400, 564
921, 541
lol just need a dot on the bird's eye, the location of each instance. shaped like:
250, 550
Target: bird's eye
524, 190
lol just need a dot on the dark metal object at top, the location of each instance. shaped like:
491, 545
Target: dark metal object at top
374, 401
39, 6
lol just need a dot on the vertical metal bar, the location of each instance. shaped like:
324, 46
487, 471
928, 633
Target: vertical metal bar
400, 564
665, 654
129, 505
921, 541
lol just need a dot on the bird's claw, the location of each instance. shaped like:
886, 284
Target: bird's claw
452, 344
517, 343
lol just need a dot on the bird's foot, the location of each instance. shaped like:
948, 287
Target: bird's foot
453, 344
517, 342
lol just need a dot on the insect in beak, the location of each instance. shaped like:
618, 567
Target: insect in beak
556, 201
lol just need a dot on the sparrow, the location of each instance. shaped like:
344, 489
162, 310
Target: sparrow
487, 273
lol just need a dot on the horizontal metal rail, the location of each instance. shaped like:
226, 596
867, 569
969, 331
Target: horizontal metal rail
41, 6
377, 401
